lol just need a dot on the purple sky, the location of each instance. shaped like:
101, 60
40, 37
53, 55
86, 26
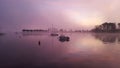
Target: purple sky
67, 14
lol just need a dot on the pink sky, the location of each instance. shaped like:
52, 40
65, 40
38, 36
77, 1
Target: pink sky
66, 14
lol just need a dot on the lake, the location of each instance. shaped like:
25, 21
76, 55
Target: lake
40, 50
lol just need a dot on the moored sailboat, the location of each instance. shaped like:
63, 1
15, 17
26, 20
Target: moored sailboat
54, 32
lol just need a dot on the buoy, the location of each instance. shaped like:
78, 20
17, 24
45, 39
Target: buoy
38, 42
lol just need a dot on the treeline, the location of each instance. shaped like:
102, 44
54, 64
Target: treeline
107, 27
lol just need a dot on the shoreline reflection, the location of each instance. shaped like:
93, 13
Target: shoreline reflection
107, 38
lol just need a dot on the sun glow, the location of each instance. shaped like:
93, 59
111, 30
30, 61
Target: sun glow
84, 19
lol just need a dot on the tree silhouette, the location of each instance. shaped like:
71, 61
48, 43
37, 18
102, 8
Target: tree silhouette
105, 27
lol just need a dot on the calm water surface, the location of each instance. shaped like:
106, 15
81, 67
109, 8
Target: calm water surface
84, 50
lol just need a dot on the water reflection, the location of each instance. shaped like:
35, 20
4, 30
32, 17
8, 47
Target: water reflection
81, 51
108, 37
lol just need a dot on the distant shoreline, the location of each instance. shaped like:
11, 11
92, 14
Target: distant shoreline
35, 30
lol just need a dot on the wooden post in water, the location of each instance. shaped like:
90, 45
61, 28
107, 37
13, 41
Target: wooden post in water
38, 42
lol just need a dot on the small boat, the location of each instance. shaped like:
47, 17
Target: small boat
67, 38
54, 34
63, 38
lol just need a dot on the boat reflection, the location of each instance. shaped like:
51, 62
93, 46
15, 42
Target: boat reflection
108, 38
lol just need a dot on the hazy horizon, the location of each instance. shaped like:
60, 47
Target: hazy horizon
67, 14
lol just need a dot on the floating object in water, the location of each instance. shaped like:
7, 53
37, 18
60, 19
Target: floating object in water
39, 43
63, 38
67, 39
1, 33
